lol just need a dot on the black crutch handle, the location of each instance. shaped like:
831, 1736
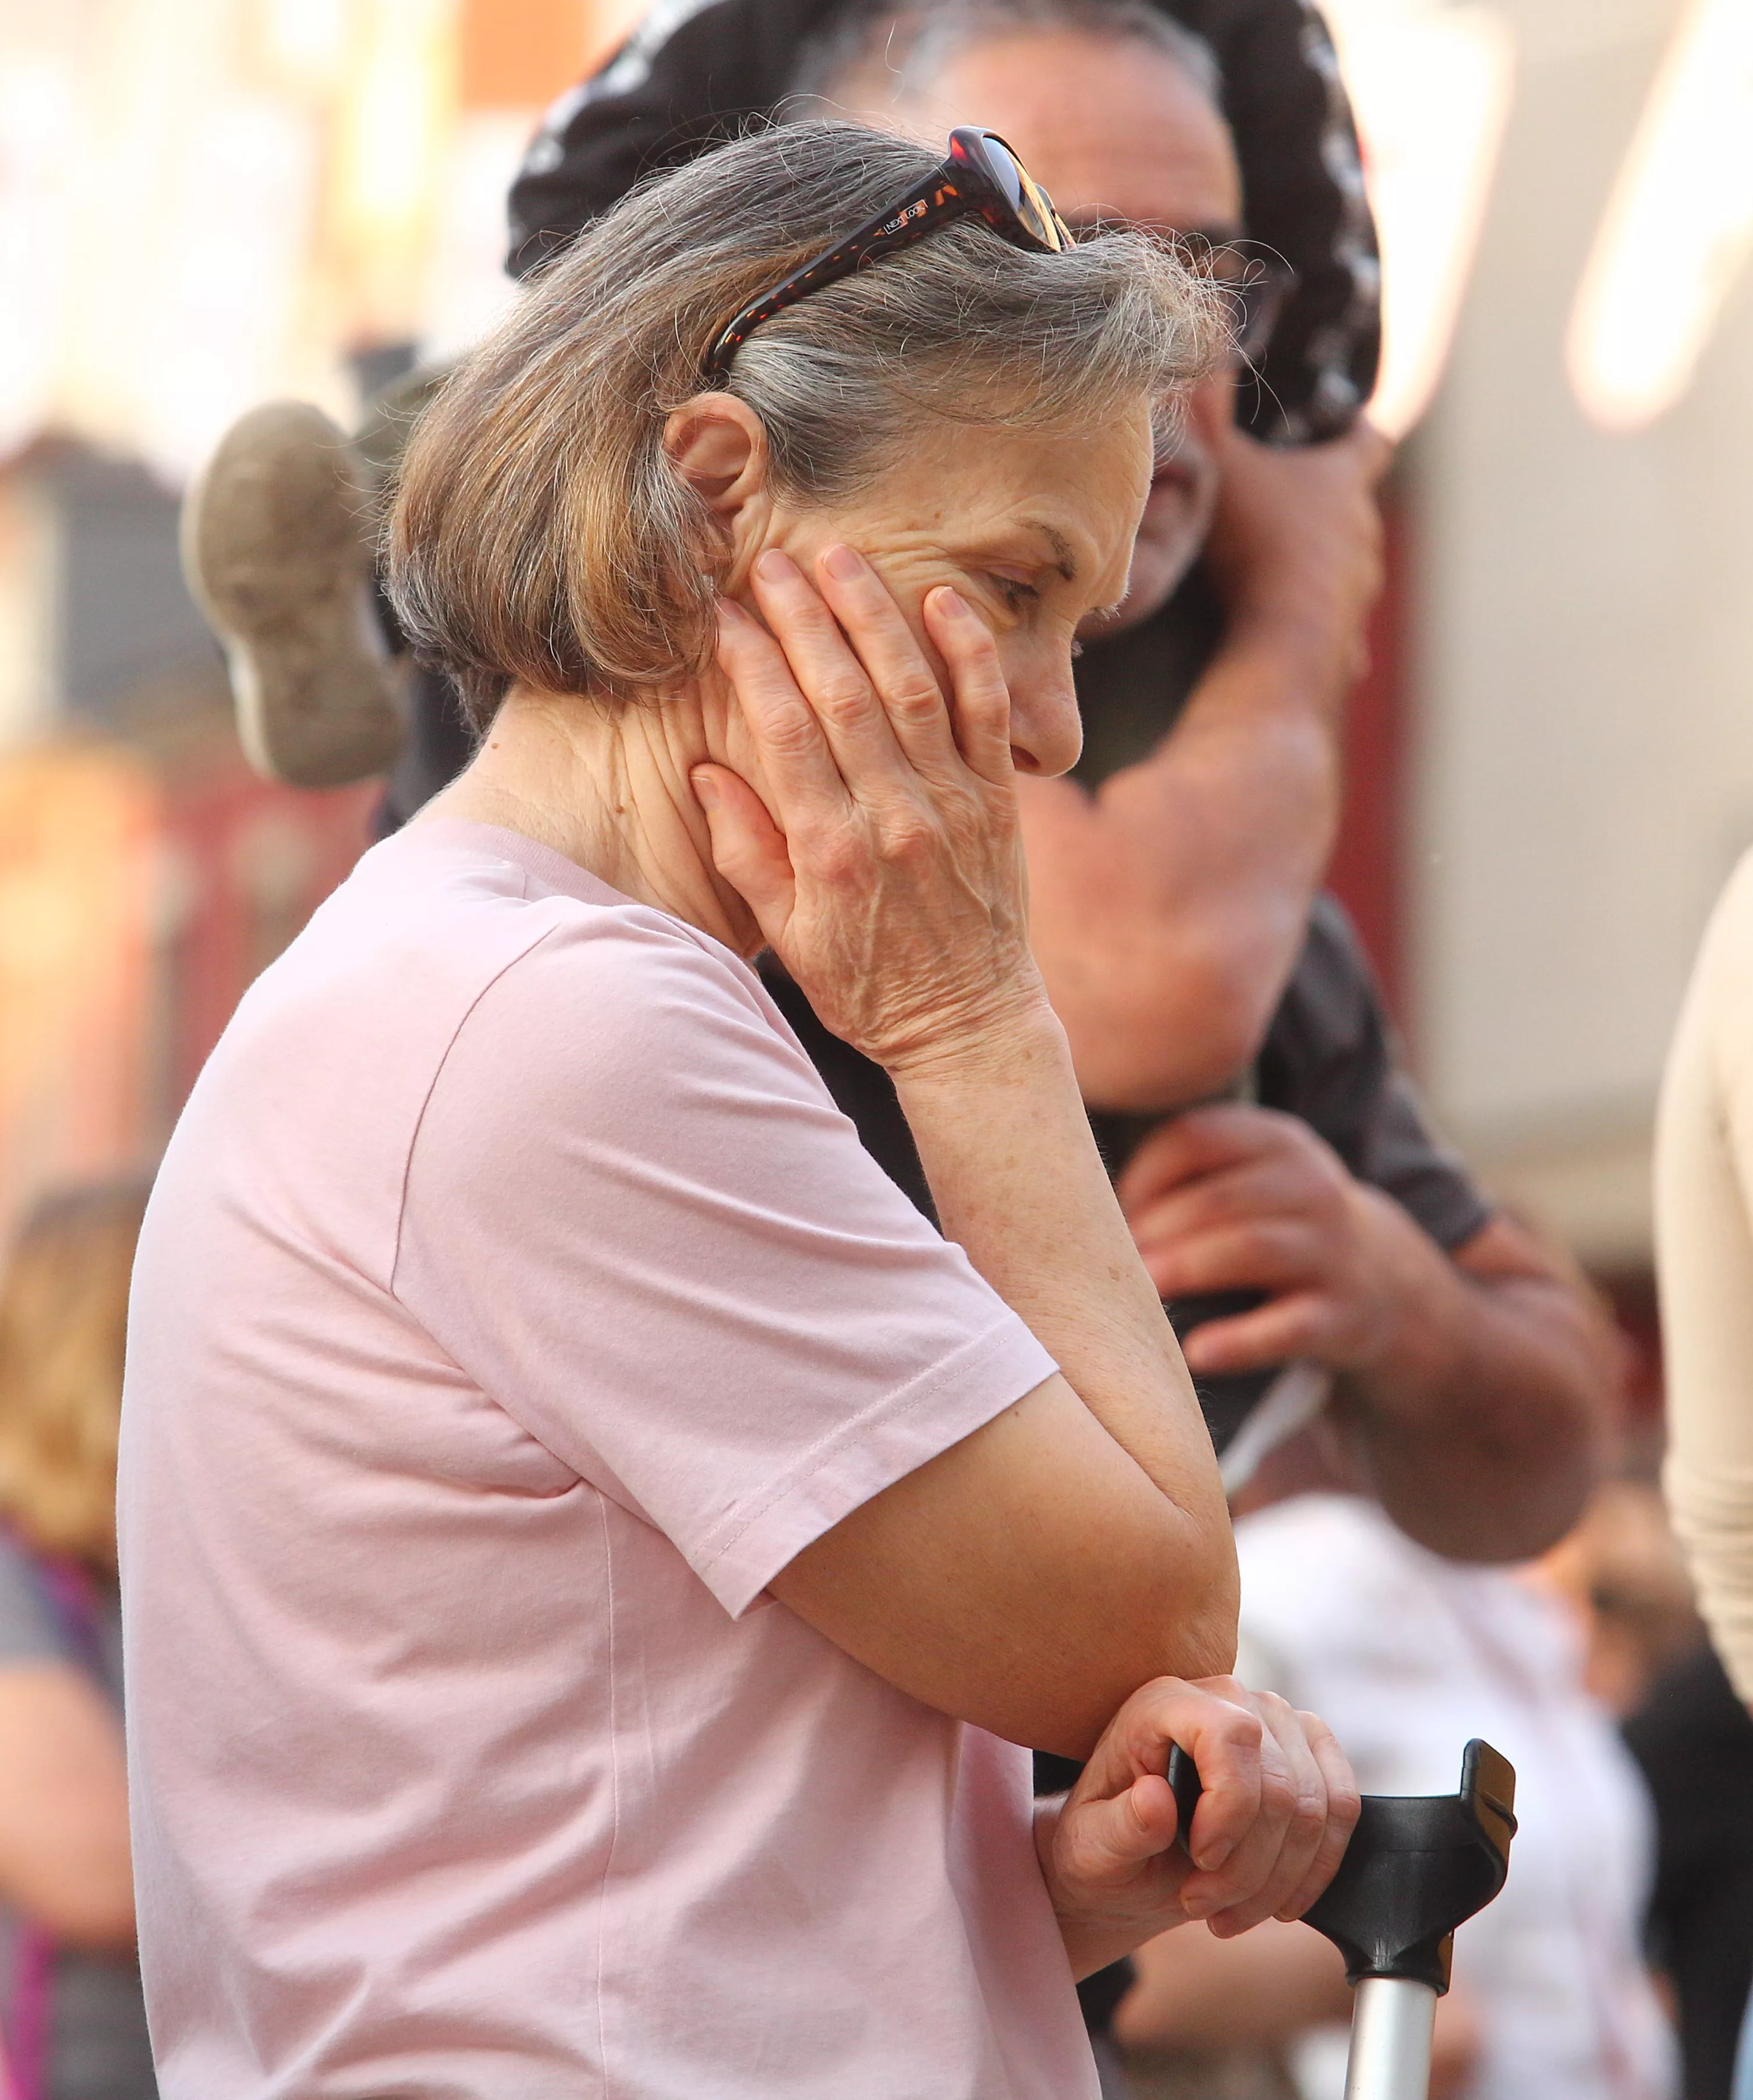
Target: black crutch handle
1417, 1867
1185, 1784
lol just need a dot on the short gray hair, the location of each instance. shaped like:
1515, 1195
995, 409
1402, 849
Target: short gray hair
912, 41
540, 530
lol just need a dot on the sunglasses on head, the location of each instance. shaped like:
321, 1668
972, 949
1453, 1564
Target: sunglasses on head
982, 178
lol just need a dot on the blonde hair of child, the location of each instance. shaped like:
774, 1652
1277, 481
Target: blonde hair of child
64, 1309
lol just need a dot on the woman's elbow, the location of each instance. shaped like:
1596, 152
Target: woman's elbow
1190, 1632
1199, 1609
1207, 1648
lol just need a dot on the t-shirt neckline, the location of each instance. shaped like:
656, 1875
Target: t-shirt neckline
546, 863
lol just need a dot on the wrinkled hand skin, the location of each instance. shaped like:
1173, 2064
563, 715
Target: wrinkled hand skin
1279, 1806
893, 886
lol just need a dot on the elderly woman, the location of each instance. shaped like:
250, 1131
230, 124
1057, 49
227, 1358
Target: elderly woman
592, 1551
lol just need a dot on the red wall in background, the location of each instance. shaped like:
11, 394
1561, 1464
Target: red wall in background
246, 863
1367, 861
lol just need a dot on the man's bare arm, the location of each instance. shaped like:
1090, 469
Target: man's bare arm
1484, 1438
1472, 1385
1168, 907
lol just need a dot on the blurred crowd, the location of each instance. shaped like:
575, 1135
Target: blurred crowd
1449, 1523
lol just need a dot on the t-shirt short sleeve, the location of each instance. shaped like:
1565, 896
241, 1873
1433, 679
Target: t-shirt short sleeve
29, 1631
635, 1219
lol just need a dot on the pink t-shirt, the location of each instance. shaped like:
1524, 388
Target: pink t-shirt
513, 1305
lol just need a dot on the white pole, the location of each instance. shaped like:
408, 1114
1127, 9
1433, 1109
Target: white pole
1390, 2040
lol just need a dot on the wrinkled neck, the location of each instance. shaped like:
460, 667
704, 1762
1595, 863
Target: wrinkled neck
605, 783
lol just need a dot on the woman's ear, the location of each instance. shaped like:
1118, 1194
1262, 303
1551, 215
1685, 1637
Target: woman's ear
718, 445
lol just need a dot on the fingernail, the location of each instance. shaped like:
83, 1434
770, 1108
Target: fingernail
729, 612
774, 567
1213, 1856
951, 604
705, 789
844, 562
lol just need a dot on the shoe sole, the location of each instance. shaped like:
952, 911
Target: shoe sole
277, 544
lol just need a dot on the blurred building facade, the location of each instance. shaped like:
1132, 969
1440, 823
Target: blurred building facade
203, 203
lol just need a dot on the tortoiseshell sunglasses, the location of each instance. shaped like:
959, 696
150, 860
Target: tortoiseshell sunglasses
982, 177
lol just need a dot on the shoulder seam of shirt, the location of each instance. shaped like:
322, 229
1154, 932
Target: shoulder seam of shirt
510, 964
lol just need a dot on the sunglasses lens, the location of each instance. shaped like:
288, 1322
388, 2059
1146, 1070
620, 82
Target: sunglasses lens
999, 164
1025, 197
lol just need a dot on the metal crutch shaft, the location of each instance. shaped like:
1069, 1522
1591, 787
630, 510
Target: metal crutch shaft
1392, 2018
1417, 1867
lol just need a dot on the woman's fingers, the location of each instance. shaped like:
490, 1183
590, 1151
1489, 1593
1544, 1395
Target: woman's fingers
748, 849
1222, 1736
827, 670
901, 679
1343, 1806
1277, 1857
907, 910
798, 767
1111, 1839
981, 704
1278, 1806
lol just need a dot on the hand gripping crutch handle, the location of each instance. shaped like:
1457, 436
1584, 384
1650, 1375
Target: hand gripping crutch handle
1416, 1868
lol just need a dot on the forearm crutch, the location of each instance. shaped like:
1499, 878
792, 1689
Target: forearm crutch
1417, 1867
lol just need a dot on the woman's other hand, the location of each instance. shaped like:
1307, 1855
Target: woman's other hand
881, 858
1278, 1810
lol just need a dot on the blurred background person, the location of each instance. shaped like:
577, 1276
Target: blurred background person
1693, 1740
1704, 1218
71, 2016
1416, 1652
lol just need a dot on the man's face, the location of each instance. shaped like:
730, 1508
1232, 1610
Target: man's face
1117, 132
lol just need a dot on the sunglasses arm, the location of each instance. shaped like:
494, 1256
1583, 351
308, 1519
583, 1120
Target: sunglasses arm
948, 193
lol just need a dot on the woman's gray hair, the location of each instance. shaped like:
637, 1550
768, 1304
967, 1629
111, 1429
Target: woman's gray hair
540, 533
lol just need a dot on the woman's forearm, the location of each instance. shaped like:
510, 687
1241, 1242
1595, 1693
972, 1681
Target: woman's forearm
1006, 1147
1033, 1575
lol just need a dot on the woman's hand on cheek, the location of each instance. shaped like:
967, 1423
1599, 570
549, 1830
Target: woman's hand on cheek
883, 866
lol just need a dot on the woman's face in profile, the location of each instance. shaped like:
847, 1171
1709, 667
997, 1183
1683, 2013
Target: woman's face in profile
1035, 532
